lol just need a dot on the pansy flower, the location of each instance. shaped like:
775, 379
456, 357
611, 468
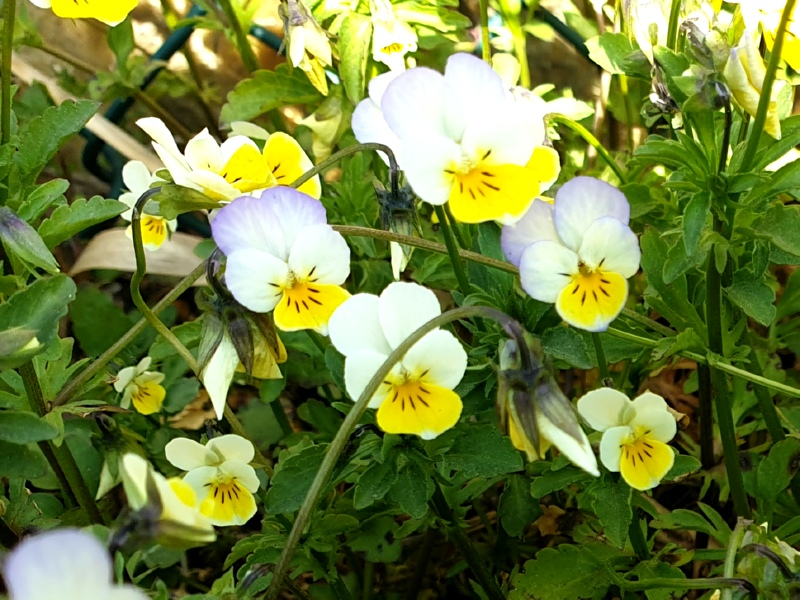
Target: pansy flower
228, 170
417, 395
141, 386
155, 228
635, 434
220, 475
181, 522
392, 38
282, 256
463, 139
577, 253
110, 12
68, 564
767, 13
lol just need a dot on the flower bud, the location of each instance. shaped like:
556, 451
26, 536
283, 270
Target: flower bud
307, 43
392, 39
398, 215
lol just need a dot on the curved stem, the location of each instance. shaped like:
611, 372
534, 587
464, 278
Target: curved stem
242, 43
348, 425
345, 152
93, 369
591, 140
452, 251
766, 90
136, 281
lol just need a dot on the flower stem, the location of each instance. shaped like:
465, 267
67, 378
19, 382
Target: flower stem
637, 537
345, 152
765, 403
733, 548
456, 229
93, 369
602, 363
485, 47
452, 251
591, 140
9, 18
64, 464
465, 546
672, 29
348, 425
766, 89
242, 43
706, 415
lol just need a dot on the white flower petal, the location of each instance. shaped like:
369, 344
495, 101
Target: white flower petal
605, 408
199, 477
414, 105
186, 454
244, 473
232, 447
218, 374
377, 85
649, 401
124, 377
62, 563
356, 326
166, 148
536, 225
249, 223
359, 369
143, 365
370, 127
403, 308
545, 269
125, 592
322, 250
501, 135
254, 278
578, 451
231, 145
611, 447
440, 356
425, 161
136, 177
612, 244
203, 154
478, 87
244, 128
658, 421
212, 184
294, 211
583, 200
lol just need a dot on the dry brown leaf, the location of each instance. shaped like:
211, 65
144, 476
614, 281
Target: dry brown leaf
548, 521
195, 414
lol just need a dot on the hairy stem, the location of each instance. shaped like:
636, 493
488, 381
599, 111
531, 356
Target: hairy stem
452, 251
592, 141
730, 556
242, 43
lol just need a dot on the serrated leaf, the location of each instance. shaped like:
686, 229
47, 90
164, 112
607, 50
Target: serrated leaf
482, 451
755, 298
412, 490
776, 471
23, 243
694, 220
267, 90
20, 427
289, 486
175, 200
97, 322
375, 482
71, 219
781, 225
565, 573
552, 481
44, 135
517, 508
354, 49
564, 343
683, 465
610, 51
40, 199
612, 505
25, 462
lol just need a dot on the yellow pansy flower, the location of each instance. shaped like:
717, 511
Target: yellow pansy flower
141, 386
155, 229
110, 12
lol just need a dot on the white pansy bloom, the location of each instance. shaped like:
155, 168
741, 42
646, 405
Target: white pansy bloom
155, 228
635, 434
417, 395
220, 475
67, 564
141, 386
392, 38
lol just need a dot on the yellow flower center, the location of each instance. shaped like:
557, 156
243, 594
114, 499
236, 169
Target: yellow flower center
228, 502
306, 304
593, 297
154, 231
395, 48
643, 460
148, 397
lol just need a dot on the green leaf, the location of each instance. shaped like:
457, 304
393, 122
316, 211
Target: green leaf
482, 451
378, 539
552, 481
20, 427
789, 302
694, 220
564, 343
292, 480
174, 200
70, 219
23, 243
267, 90
36, 310
97, 322
121, 43
776, 471
517, 508
375, 482
334, 360
755, 297
655, 569
41, 138
25, 462
610, 51
781, 225
683, 465
354, 50
412, 490
682, 519
565, 573
40, 199
612, 505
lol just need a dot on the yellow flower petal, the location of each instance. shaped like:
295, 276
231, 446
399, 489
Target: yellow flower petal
148, 397
545, 165
644, 462
492, 192
247, 170
154, 231
228, 503
592, 300
308, 306
419, 408
520, 442
287, 161
107, 11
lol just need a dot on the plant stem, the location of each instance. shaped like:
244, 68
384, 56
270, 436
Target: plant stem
465, 547
672, 30
591, 140
765, 403
486, 49
422, 565
452, 251
730, 556
766, 90
369, 580
336, 447
602, 363
637, 537
93, 369
456, 229
280, 417
337, 156
706, 415
75, 485
9, 18
242, 43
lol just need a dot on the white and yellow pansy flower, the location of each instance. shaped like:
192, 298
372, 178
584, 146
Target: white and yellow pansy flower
220, 475
417, 396
463, 139
68, 564
392, 38
110, 12
155, 228
767, 14
142, 386
635, 434
181, 522
577, 253
744, 73
307, 44
282, 256
228, 170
